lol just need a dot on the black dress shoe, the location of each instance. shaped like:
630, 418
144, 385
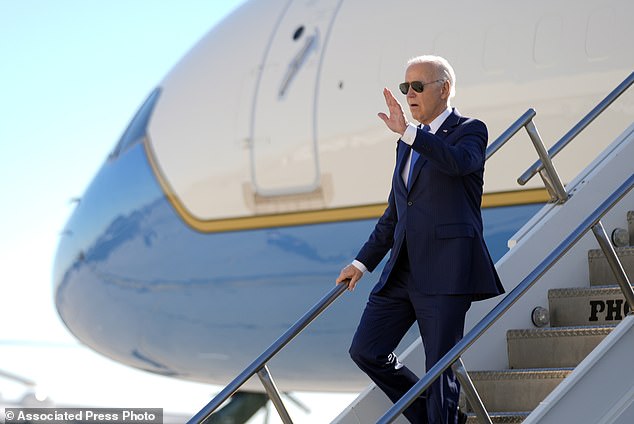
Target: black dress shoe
462, 417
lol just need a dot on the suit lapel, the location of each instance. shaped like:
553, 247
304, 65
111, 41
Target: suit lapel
450, 124
445, 129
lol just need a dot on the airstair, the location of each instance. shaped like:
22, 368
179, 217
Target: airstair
540, 358
558, 347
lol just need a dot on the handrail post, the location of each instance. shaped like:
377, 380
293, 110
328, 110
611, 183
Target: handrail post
471, 392
614, 262
551, 179
274, 394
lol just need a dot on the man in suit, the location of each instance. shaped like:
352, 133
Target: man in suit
439, 262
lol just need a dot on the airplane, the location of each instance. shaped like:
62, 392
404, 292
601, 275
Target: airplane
257, 168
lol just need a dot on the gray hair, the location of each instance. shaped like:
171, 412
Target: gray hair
443, 69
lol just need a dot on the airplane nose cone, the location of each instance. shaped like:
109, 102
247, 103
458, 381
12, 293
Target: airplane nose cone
95, 254
123, 184
97, 258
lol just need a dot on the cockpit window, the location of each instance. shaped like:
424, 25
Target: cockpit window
138, 126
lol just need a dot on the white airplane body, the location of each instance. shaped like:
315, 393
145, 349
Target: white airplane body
258, 167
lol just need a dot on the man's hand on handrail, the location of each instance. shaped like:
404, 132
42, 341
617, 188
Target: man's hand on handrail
351, 273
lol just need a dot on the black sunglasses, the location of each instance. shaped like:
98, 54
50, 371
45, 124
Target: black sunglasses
417, 86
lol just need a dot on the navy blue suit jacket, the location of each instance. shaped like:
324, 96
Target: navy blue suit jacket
440, 215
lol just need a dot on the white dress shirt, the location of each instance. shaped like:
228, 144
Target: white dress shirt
409, 136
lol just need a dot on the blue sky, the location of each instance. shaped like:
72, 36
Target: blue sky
72, 74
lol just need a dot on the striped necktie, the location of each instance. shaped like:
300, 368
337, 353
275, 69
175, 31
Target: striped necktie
415, 156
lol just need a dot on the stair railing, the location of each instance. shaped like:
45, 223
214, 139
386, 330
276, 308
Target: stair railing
14, 377
549, 174
574, 131
259, 365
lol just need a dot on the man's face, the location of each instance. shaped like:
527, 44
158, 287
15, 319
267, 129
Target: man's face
433, 100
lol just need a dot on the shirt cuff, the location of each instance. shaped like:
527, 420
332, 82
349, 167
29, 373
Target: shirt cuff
409, 135
358, 265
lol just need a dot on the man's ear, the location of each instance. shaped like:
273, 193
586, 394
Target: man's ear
445, 89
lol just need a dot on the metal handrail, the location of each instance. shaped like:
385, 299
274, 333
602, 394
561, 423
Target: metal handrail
510, 132
549, 175
259, 365
581, 125
14, 377
456, 352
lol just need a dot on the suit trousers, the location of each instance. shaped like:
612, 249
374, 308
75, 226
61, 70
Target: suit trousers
388, 315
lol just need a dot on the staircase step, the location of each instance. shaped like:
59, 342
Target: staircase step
600, 272
557, 347
500, 417
586, 306
516, 390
